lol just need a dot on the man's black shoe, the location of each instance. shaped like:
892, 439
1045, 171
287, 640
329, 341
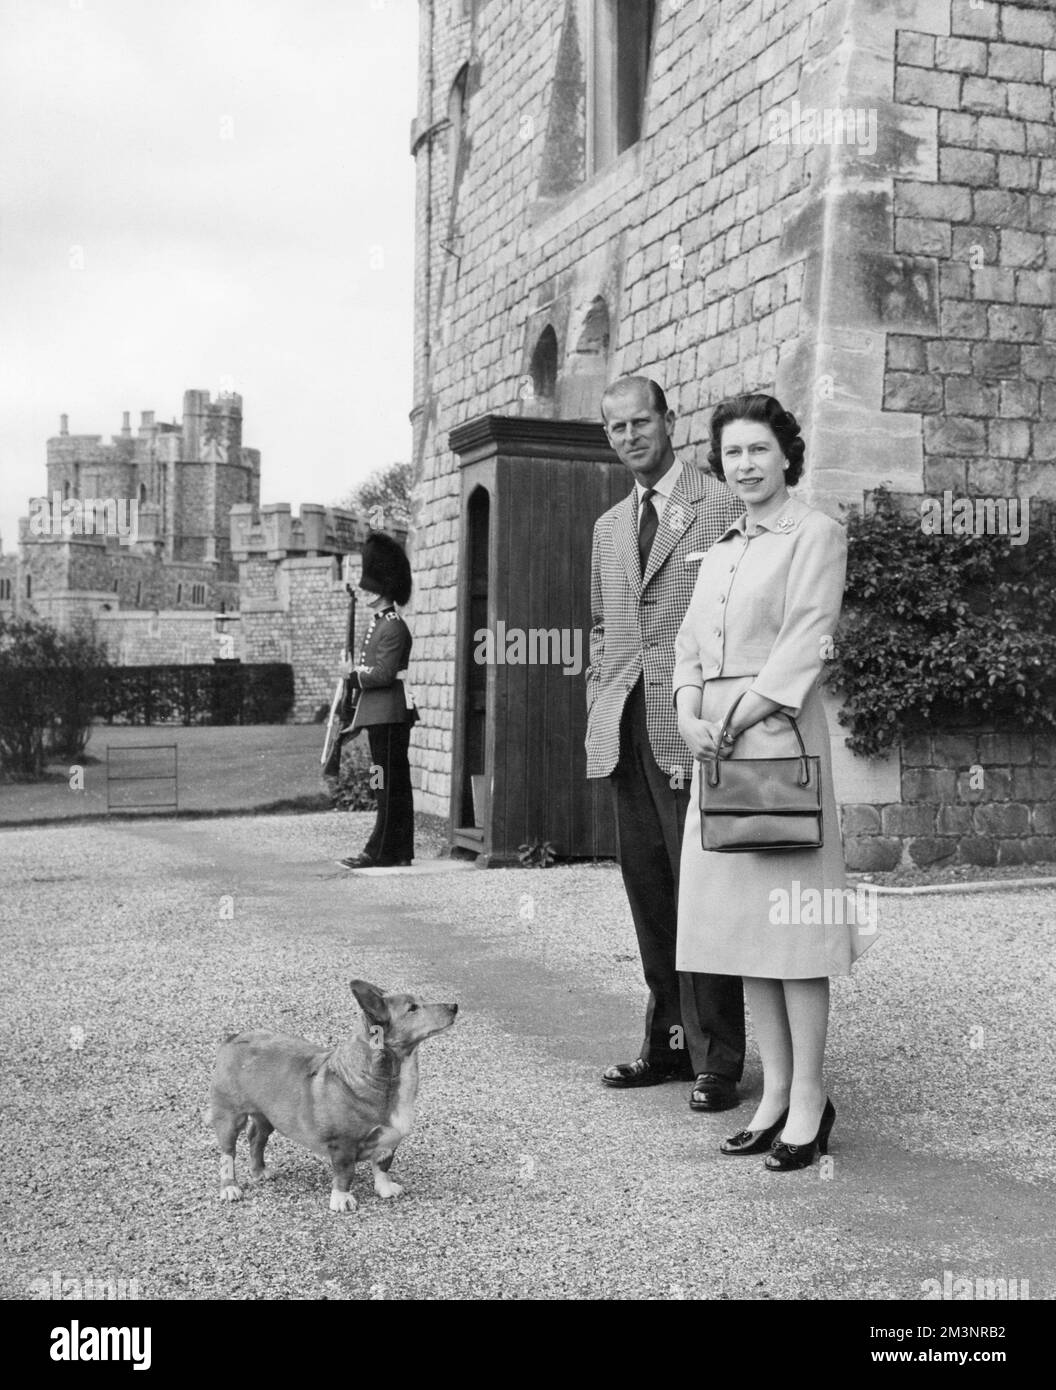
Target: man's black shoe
624, 1075
712, 1092
358, 861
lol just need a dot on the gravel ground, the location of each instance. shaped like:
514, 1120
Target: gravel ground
525, 1178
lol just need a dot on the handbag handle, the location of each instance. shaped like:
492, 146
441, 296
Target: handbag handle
713, 763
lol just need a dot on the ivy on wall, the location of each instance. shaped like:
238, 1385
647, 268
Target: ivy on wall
942, 629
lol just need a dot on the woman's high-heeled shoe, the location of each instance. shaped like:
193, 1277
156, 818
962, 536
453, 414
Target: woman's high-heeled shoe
753, 1141
783, 1158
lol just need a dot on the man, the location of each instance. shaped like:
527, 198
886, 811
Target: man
382, 707
642, 578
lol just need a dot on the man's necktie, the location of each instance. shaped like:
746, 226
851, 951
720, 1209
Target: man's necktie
647, 524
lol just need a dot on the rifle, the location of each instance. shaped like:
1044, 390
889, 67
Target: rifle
343, 705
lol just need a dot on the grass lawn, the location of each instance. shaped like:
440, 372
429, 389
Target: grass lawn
226, 769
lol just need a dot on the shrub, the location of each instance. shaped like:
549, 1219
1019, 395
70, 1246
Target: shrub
49, 684
943, 629
216, 693
351, 789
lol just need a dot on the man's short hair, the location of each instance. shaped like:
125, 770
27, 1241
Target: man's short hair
657, 399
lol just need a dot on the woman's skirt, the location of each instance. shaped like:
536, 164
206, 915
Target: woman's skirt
777, 914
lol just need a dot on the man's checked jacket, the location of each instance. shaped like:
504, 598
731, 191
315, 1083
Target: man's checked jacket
636, 617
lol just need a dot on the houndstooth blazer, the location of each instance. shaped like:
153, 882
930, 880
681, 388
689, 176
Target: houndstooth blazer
636, 617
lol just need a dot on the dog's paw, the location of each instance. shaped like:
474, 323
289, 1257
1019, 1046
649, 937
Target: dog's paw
341, 1201
230, 1192
265, 1175
387, 1187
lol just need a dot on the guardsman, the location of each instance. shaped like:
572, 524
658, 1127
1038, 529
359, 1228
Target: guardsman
383, 707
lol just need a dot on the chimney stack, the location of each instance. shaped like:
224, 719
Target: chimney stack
146, 417
126, 427
64, 425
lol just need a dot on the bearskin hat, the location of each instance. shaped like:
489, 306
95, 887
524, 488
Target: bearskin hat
386, 569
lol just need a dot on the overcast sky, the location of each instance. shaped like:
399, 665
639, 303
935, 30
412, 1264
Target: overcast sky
200, 193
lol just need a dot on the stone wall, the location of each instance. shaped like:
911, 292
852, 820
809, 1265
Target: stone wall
973, 797
894, 289
983, 377
166, 638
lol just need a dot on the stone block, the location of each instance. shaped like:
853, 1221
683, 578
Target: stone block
860, 820
955, 750
1043, 445
967, 396
963, 319
992, 477
976, 167
912, 391
976, 20
997, 360
1039, 849
908, 819
1040, 138
928, 784
931, 849
933, 200
1018, 171
942, 473
905, 353
960, 55
984, 95
954, 820
994, 283
1029, 26
992, 784
1002, 819
1000, 208
916, 50
1036, 287
1039, 363
917, 750
921, 236
972, 849
949, 356
1014, 325
924, 87
1029, 101
872, 853
1043, 819
1024, 250
955, 434
1013, 852
1015, 63
1009, 439
1018, 399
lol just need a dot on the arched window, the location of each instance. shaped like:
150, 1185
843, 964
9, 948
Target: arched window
544, 364
142, 492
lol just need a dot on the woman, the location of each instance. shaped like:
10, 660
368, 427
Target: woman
767, 597
381, 705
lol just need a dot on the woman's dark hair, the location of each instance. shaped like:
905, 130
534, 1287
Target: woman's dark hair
761, 410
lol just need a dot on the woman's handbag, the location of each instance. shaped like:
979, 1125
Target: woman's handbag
760, 803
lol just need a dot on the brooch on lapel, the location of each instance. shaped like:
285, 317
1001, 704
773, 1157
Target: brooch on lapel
786, 523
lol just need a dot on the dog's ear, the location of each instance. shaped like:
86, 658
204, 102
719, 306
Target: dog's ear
371, 1000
